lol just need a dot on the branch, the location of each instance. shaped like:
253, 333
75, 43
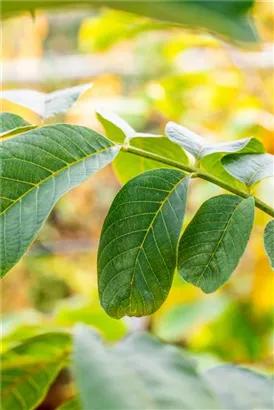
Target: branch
200, 174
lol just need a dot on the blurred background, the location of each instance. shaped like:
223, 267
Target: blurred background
149, 75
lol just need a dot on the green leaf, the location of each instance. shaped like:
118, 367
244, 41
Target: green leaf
127, 165
140, 373
12, 124
73, 404
199, 148
240, 389
137, 251
214, 241
28, 370
212, 163
46, 105
184, 318
75, 311
116, 128
9, 122
37, 168
269, 242
228, 18
249, 168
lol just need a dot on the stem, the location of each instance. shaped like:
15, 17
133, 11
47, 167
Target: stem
200, 174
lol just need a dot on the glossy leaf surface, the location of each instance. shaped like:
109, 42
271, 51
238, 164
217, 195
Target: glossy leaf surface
249, 169
140, 373
214, 241
137, 251
37, 168
28, 370
46, 105
269, 242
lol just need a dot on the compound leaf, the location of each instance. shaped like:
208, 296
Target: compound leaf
137, 251
46, 105
214, 241
139, 373
269, 242
28, 370
37, 168
249, 168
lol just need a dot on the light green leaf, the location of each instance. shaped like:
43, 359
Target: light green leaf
74, 311
137, 251
37, 168
269, 242
127, 165
46, 105
214, 241
199, 148
73, 404
240, 389
229, 18
212, 163
28, 370
140, 373
184, 318
116, 128
249, 168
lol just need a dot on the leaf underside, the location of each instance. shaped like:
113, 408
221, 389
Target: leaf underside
139, 373
242, 389
37, 168
249, 168
137, 251
214, 241
46, 105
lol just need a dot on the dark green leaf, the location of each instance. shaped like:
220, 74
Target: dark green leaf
199, 148
249, 168
127, 165
140, 373
215, 240
229, 18
37, 168
137, 251
9, 122
28, 370
46, 105
241, 389
269, 242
